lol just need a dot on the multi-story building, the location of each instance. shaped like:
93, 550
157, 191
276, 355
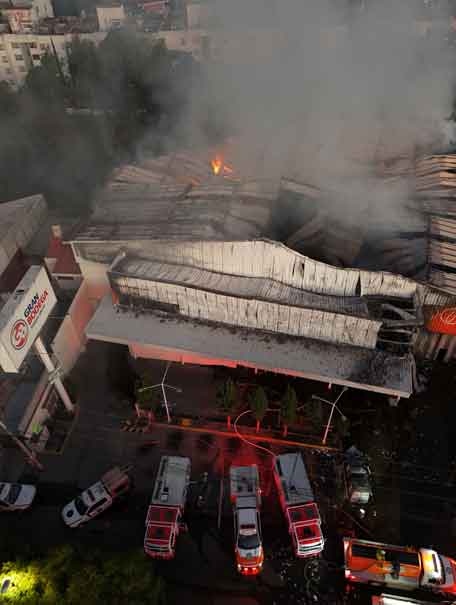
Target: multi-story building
20, 52
110, 17
24, 15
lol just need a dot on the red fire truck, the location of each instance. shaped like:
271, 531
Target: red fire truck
164, 515
298, 504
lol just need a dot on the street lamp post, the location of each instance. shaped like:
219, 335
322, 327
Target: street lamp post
333, 405
162, 385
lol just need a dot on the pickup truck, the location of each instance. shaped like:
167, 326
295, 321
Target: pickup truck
15, 496
98, 497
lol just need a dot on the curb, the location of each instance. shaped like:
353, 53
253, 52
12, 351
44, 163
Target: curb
251, 436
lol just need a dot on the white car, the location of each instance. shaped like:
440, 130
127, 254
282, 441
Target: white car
97, 498
15, 496
88, 504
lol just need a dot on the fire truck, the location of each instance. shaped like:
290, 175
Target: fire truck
398, 567
298, 504
245, 497
164, 515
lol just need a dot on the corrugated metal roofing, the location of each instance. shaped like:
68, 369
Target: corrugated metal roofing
235, 285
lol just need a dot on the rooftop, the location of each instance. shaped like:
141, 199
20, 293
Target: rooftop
237, 285
356, 367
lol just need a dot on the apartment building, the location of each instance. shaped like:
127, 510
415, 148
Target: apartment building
110, 17
20, 52
24, 15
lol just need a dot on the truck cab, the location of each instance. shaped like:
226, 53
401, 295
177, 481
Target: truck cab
97, 498
438, 572
16, 496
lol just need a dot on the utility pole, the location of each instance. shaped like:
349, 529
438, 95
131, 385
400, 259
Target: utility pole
29, 454
162, 385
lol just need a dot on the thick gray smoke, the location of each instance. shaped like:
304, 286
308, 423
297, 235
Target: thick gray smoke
321, 94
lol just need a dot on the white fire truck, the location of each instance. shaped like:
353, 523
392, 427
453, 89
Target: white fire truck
399, 567
298, 504
245, 497
98, 497
164, 515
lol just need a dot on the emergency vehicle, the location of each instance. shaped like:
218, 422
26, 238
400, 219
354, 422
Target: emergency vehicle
387, 599
164, 515
98, 497
16, 496
298, 504
398, 567
245, 497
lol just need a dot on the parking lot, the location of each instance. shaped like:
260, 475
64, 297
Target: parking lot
406, 506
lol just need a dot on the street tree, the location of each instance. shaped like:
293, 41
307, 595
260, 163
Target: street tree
288, 408
85, 74
8, 101
227, 399
147, 398
259, 405
66, 576
46, 83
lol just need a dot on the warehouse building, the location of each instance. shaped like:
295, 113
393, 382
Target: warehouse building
178, 264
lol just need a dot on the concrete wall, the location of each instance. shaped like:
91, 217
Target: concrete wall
70, 339
95, 277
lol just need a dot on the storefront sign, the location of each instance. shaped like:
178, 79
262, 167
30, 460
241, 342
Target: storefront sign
23, 317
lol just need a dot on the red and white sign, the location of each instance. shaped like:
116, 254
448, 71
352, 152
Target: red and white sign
19, 334
443, 322
23, 317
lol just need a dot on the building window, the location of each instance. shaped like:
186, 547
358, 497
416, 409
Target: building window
15, 45
2, 47
32, 45
21, 68
5, 59
19, 57
43, 46
36, 57
9, 71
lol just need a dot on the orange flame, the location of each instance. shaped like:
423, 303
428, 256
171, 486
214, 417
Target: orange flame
216, 165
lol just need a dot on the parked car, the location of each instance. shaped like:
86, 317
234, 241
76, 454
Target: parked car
98, 497
15, 496
357, 477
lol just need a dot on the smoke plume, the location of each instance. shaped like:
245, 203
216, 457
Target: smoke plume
319, 92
